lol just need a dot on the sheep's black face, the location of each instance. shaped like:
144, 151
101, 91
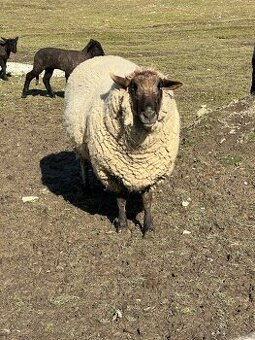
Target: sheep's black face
146, 95
11, 44
93, 49
145, 90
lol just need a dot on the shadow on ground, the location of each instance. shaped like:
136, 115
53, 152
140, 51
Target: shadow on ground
44, 93
61, 174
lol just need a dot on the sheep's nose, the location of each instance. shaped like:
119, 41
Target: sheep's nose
150, 114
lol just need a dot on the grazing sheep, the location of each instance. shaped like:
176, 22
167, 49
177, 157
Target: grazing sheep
253, 74
124, 122
66, 60
6, 47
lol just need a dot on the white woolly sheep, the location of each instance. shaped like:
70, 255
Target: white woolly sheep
124, 122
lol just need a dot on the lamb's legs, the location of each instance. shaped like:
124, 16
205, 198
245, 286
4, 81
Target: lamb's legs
147, 202
121, 221
29, 76
46, 80
3, 73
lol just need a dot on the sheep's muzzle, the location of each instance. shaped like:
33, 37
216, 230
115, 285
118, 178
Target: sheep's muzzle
148, 117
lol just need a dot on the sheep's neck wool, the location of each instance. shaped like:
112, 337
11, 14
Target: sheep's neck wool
123, 154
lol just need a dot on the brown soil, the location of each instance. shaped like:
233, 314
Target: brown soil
66, 273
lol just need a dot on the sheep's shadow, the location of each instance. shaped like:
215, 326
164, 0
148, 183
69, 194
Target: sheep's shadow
61, 174
44, 93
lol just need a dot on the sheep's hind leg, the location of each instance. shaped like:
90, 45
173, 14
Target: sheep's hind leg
85, 176
66, 76
147, 202
46, 81
121, 221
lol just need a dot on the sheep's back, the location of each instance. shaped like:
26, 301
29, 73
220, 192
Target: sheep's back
87, 88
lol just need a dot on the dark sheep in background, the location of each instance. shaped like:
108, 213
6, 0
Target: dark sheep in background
253, 74
6, 47
66, 60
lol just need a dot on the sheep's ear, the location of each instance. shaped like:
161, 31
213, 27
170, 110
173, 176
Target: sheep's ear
171, 84
4, 39
120, 81
89, 45
16, 38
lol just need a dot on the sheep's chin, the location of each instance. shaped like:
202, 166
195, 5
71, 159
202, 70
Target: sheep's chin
148, 127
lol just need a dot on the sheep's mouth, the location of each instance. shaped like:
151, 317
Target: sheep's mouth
146, 123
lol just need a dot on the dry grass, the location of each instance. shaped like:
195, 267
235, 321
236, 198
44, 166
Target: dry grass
205, 44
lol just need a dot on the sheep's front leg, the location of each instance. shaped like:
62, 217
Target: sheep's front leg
121, 221
147, 202
3, 73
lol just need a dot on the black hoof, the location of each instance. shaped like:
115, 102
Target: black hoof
147, 229
120, 225
50, 94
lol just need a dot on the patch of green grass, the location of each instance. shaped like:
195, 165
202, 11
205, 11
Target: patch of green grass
227, 160
64, 299
249, 136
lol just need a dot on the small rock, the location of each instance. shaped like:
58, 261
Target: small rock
117, 315
186, 232
201, 112
29, 199
186, 203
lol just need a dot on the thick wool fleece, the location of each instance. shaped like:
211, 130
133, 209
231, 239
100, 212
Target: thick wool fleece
99, 119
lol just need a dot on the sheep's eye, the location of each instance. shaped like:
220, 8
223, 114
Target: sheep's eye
160, 85
133, 87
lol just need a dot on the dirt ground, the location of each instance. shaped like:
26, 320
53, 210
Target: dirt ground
65, 272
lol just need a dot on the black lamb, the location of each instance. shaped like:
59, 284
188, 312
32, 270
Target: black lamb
66, 60
6, 47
